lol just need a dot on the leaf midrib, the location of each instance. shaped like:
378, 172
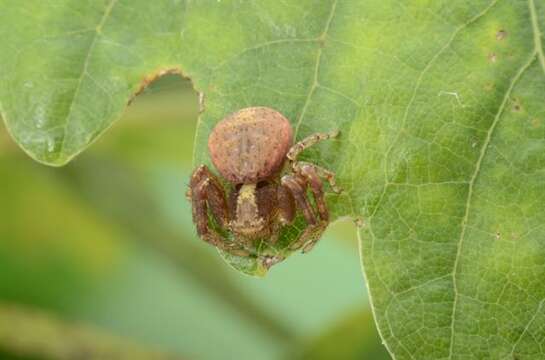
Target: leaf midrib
474, 176
537, 34
98, 31
537, 54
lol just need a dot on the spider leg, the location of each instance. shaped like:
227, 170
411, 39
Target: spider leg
309, 173
296, 185
321, 172
310, 236
309, 177
213, 191
286, 205
307, 142
205, 192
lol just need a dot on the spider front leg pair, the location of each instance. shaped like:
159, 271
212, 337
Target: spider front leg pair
309, 176
305, 144
206, 191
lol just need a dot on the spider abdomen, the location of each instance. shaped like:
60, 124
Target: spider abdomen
250, 145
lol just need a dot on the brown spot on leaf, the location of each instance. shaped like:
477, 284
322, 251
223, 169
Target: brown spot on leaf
517, 107
501, 34
489, 87
359, 222
321, 42
492, 57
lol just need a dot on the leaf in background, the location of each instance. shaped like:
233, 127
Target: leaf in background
53, 250
441, 107
60, 252
105, 186
352, 338
28, 332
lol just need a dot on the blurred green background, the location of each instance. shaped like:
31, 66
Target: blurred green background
100, 259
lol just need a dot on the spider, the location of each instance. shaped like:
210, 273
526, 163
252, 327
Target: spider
253, 150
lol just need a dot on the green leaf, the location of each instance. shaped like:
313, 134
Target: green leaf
440, 105
70, 68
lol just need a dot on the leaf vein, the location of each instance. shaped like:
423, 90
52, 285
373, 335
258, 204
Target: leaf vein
315, 83
530, 322
537, 34
415, 91
339, 93
84, 71
471, 186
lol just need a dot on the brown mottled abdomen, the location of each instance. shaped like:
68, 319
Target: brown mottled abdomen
250, 145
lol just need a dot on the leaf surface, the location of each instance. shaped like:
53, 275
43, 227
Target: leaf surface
440, 106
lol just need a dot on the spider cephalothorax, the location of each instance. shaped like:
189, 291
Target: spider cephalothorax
249, 149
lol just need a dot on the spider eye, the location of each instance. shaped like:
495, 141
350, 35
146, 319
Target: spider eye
261, 184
